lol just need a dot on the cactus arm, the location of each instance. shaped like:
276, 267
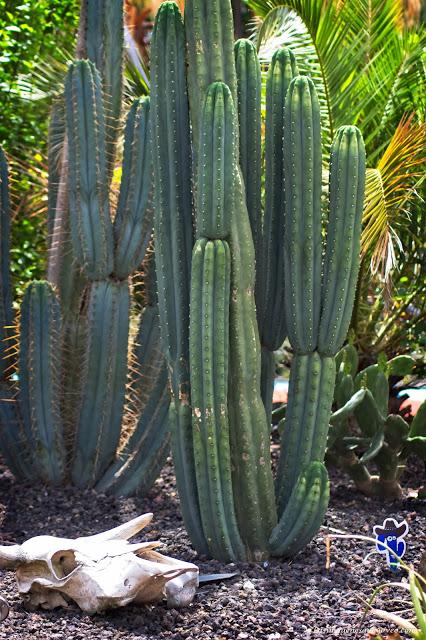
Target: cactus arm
307, 418
100, 40
270, 284
90, 43
173, 241
91, 228
112, 75
249, 84
304, 513
104, 374
55, 149
302, 240
39, 376
172, 168
209, 344
249, 428
6, 311
133, 220
217, 159
210, 40
139, 462
347, 183
145, 448
13, 444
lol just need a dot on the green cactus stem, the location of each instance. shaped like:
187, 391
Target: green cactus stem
133, 219
217, 159
13, 443
104, 381
306, 508
249, 84
270, 285
302, 239
209, 346
55, 149
341, 265
315, 314
210, 39
173, 242
91, 227
6, 311
304, 437
249, 430
39, 377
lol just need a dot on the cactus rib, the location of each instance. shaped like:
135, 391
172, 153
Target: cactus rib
104, 374
209, 345
39, 377
91, 227
302, 240
133, 220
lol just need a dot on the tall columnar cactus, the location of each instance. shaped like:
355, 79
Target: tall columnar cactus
222, 459
270, 281
71, 418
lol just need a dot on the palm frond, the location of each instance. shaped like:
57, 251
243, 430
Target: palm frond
318, 34
389, 189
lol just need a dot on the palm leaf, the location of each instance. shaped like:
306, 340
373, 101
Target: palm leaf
317, 32
389, 189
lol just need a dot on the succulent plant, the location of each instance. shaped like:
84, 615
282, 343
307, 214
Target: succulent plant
362, 431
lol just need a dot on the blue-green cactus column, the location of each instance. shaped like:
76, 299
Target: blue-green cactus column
319, 299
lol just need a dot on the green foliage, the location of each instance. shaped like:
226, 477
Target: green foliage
362, 431
29, 33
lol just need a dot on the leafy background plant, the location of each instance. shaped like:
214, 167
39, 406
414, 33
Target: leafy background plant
29, 33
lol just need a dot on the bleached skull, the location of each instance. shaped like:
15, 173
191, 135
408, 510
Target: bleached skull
99, 572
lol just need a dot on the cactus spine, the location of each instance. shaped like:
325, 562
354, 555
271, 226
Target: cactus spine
73, 371
6, 312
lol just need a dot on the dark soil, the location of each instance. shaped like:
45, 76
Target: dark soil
279, 600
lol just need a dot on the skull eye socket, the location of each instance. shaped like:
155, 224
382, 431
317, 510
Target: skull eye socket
63, 563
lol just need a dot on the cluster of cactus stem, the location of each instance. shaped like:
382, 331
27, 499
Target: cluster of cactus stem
362, 431
237, 275
88, 403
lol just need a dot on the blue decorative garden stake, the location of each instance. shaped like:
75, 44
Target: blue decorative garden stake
391, 534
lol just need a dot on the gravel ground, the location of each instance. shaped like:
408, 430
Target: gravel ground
281, 600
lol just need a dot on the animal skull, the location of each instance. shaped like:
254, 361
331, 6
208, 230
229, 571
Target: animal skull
99, 572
